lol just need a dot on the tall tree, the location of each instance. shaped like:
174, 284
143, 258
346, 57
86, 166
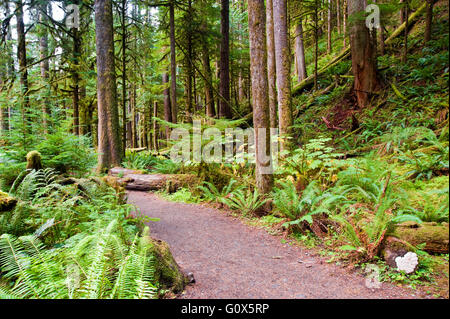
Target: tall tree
329, 29
271, 65
44, 65
22, 58
300, 51
224, 64
173, 62
109, 147
167, 106
429, 20
283, 66
260, 98
363, 55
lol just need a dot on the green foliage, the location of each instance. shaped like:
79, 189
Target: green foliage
73, 241
245, 202
211, 194
313, 201
139, 160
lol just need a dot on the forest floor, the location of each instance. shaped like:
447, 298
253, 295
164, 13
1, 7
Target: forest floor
230, 259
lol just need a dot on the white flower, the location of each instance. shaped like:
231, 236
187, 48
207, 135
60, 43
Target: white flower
407, 263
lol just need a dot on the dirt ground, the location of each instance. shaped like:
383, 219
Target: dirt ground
232, 260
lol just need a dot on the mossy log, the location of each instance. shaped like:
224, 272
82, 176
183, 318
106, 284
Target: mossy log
168, 273
346, 53
7, 203
34, 160
434, 236
133, 180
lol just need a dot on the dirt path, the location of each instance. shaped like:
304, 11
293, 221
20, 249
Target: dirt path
232, 260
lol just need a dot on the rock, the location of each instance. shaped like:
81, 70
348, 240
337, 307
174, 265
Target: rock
7, 203
167, 272
435, 237
34, 160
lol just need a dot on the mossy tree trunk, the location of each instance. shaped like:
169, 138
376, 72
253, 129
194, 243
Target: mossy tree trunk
271, 65
363, 55
283, 66
224, 64
109, 147
260, 98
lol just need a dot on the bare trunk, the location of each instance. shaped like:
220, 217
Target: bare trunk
363, 56
271, 66
22, 58
44, 65
344, 23
155, 126
329, 28
75, 81
283, 70
405, 40
224, 86
260, 98
429, 20
109, 146
300, 52
124, 75
338, 16
167, 107
209, 95
173, 63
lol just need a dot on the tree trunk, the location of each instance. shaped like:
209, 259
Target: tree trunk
260, 98
316, 44
209, 94
167, 107
224, 86
338, 16
22, 58
76, 79
363, 56
155, 126
44, 65
344, 23
173, 63
329, 28
405, 39
109, 146
124, 74
429, 20
283, 66
271, 66
300, 52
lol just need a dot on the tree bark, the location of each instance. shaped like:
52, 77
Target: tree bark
338, 16
260, 98
44, 65
124, 74
300, 52
155, 126
271, 65
22, 58
329, 29
344, 23
109, 146
167, 106
209, 94
429, 20
224, 64
76, 80
363, 56
283, 66
173, 63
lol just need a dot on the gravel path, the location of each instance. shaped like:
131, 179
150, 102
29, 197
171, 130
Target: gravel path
232, 260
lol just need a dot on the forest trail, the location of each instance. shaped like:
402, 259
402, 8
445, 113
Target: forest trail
232, 260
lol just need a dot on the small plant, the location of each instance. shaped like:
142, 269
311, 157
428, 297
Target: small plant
247, 203
211, 194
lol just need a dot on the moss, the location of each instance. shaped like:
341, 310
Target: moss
434, 236
34, 160
167, 273
7, 203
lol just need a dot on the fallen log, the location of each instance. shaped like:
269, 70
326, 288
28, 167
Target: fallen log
346, 53
7, 203
134, 180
